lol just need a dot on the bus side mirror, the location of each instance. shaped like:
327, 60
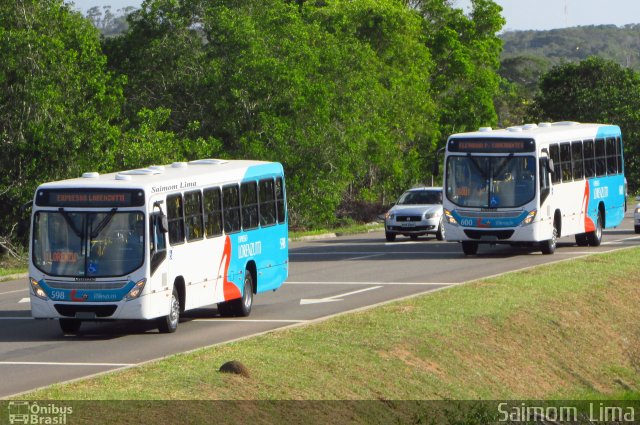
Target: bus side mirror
550, 166
164, 224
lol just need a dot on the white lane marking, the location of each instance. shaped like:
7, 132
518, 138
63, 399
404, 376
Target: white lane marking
66, 364
441, 252
333, 298
24, 300
363, 257
17, 318
213, 319
372, 283
13, 292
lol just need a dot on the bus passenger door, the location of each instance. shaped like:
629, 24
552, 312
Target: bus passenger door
546, 167
158, 252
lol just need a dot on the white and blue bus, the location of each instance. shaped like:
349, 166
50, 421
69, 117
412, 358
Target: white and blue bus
532, 184
153, 242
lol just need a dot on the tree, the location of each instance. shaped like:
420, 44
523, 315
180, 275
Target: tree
57, 101
595, 90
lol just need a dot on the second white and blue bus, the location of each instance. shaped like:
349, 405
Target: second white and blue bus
533, 184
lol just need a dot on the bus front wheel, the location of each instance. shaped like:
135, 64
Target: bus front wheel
169, 323
549, 246
70, 326
469, 247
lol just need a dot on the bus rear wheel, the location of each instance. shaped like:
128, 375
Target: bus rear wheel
169, 323
595, 237
242, 306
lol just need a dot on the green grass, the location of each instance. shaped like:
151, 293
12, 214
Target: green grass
10, 265
552, 332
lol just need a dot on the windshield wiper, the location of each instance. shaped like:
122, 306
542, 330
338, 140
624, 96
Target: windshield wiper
103, 223
70, 222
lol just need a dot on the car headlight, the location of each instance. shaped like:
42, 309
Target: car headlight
429, 215
637, 210
390, 216
450, 218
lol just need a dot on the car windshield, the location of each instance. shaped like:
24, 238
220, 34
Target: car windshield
490, 181
421, 197
88, 244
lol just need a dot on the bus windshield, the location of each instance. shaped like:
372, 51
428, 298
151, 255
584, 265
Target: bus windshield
490, 181
88, 244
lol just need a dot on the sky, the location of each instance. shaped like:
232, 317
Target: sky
520, 14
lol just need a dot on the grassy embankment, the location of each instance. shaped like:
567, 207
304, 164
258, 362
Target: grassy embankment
568, 330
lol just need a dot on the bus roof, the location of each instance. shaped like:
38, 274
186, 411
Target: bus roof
545, 131
162, 178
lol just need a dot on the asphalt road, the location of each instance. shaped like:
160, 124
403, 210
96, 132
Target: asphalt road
327, 277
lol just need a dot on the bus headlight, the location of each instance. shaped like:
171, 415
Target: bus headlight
37, 290
529, 218
136, 290
449, 217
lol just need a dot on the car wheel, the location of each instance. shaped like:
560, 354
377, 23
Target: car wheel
440, 232
390, 236
637, 229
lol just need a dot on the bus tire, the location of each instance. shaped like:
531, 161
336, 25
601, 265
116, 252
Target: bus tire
240, 307
70, 326
440, 232
390, 236
595, 237
548, 247
169, 323
469, 247
581, 239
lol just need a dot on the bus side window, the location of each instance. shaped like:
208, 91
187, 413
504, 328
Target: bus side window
601, 158
554, 153
176, 219
193, 215
249, 199
612, 156
589, 160
231, 208
281, 206
576, 158
266, 190
213, 212
158, 244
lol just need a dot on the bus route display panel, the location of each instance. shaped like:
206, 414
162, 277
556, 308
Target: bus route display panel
491, 145
90, 198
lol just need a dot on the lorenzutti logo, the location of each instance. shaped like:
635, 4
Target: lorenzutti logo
74, 296
24, 412
600, 192
248, 249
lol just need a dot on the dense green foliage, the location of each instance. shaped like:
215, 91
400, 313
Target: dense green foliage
353, 97
595, 90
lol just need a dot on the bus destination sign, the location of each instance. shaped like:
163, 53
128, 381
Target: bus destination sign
88, 198
491, 145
